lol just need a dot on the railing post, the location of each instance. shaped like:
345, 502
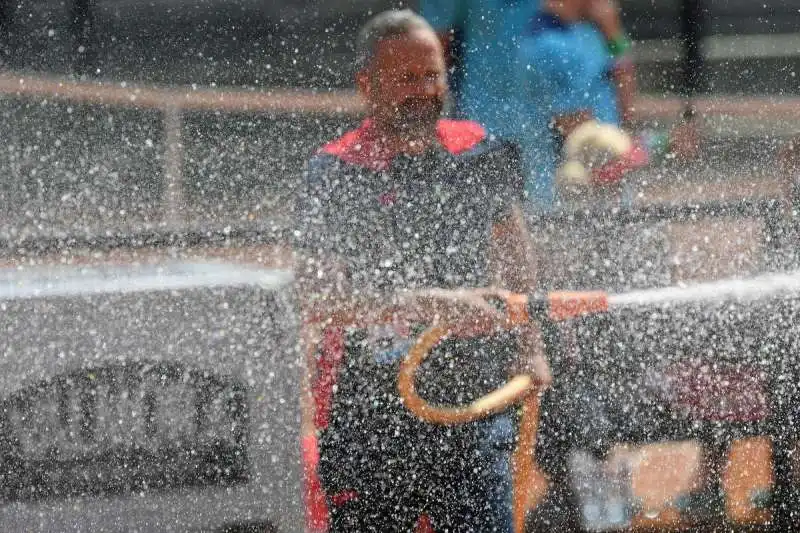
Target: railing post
694, 25
85, 45
173, 201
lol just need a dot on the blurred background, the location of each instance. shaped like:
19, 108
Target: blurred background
88, 145
751, 47
123, 115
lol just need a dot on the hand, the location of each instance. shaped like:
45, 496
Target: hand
624, 73
460, 310
684, 140
532, 355
473, 314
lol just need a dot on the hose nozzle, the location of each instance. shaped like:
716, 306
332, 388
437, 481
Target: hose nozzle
565, 305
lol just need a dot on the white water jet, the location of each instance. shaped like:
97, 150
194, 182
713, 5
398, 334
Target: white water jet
740, 290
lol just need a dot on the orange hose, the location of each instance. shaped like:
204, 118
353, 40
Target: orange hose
524, 462
567, 305
517, 309
494, 402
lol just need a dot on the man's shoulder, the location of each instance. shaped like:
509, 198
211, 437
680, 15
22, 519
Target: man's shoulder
350, 142
357, 148
460, 136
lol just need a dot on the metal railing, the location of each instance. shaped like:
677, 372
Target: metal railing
173, 105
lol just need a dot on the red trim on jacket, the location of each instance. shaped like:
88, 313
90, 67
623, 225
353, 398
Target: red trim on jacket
364, 147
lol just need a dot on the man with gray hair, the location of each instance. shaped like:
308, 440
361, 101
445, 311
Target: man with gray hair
405, 202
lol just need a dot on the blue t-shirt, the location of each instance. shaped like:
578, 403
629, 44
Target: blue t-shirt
561, 69
490, 30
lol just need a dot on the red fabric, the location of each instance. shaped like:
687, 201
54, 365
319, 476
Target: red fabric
317, 518
611, 173
343, 497
364, 147
316, 508
331, 352
330, 358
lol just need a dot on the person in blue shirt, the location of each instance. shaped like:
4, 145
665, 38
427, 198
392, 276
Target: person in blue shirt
484, 35
572, 67
565, 76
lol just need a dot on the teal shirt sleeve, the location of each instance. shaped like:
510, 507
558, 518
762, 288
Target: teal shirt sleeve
541, 97
573, 75
443, 14
569, 86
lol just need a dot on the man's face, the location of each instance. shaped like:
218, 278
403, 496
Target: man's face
406, 84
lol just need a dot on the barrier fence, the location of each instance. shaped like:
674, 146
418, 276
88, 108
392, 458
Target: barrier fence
628, 249
713, 368
108, 155
713, 371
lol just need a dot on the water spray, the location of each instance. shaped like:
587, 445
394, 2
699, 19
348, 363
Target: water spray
562, 306
559, 306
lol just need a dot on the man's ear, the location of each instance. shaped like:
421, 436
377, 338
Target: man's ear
363, 84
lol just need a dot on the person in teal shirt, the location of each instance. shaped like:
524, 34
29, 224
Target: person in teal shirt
572, 66
487, 34
564, 76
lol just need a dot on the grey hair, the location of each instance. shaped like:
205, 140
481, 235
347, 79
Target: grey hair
385, 25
